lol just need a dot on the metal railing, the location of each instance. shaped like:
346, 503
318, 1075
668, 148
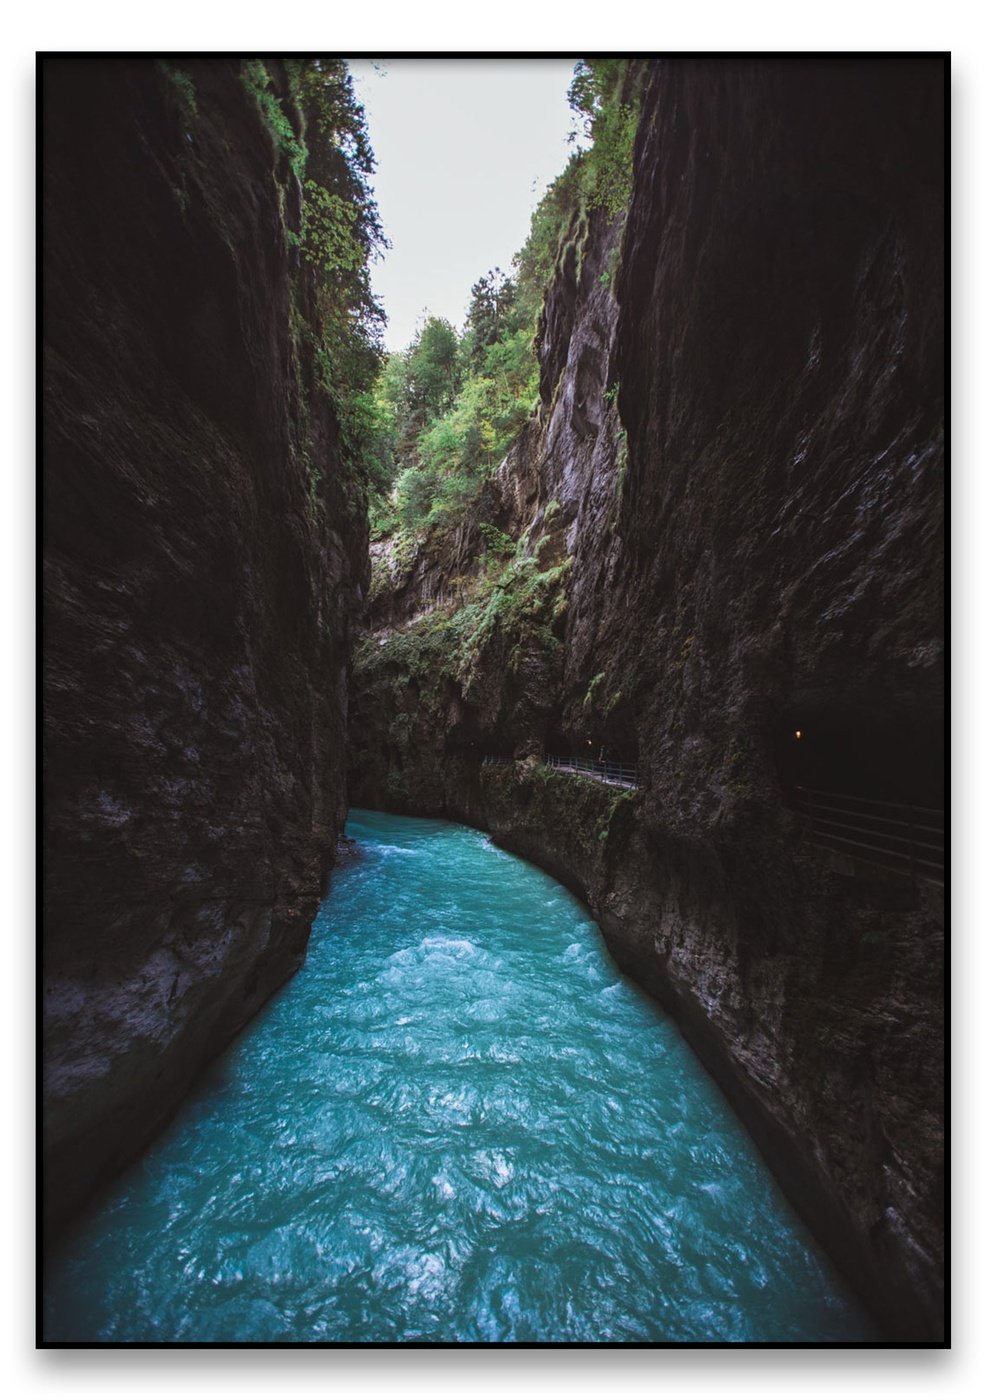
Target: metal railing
606, 771
893, 835
619, 774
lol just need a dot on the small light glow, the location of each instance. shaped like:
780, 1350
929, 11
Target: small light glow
798, 734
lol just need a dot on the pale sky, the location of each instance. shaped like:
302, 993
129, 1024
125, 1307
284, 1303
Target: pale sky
465, 149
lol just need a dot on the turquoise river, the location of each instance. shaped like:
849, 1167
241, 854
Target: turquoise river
458, 1122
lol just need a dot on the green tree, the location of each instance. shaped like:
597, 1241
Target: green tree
433, 370
605, 96
341, 230
492, 299
457, 410
536, 260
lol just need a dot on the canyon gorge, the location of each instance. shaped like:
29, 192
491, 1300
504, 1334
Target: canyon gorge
712, 555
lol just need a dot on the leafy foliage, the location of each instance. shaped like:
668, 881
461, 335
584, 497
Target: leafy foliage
605, 96
492, 300
451, 426
341, 230
513, 606
318, 126
257, 80
433, 371
458, 403
522, 604
536, 262
183, 88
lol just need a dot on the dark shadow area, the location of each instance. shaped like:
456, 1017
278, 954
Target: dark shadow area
890, 756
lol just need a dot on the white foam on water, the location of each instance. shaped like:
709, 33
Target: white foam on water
495, 1166
448, 946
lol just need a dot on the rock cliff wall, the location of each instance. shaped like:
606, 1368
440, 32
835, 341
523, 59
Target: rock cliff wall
729, 515
205, 549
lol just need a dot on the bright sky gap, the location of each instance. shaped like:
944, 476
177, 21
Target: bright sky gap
465, 149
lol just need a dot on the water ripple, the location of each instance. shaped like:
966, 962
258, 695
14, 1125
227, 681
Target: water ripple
458, 1122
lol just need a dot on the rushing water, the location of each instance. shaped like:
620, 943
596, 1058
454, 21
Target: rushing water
458, 1122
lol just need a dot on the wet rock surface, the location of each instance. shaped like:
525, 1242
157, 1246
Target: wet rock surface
740, 451
204, 552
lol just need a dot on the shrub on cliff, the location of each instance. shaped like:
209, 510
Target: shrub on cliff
459, 405
318, 125
605, 96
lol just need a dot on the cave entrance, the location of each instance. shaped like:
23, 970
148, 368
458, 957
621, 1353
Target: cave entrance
606, 753
890, 757
869, 786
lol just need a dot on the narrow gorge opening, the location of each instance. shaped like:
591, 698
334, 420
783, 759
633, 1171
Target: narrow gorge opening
623, 558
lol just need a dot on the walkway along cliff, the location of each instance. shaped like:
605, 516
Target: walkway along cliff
727, 531
205, 551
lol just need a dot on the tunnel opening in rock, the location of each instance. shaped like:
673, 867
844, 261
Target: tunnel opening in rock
610, 749
886, 754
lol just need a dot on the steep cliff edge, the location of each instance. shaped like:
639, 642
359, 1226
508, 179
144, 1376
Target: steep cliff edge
729, 526
205, 551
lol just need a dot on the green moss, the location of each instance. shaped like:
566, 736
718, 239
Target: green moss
496, 540
598, 818
256, 78
592, 689
509, 618
619, 807
317, 509
577, 242
521, 605
606, 279
405, 549
183, 90
621, 462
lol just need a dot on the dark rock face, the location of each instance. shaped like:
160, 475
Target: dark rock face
779, 352
205, 549
754, 521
